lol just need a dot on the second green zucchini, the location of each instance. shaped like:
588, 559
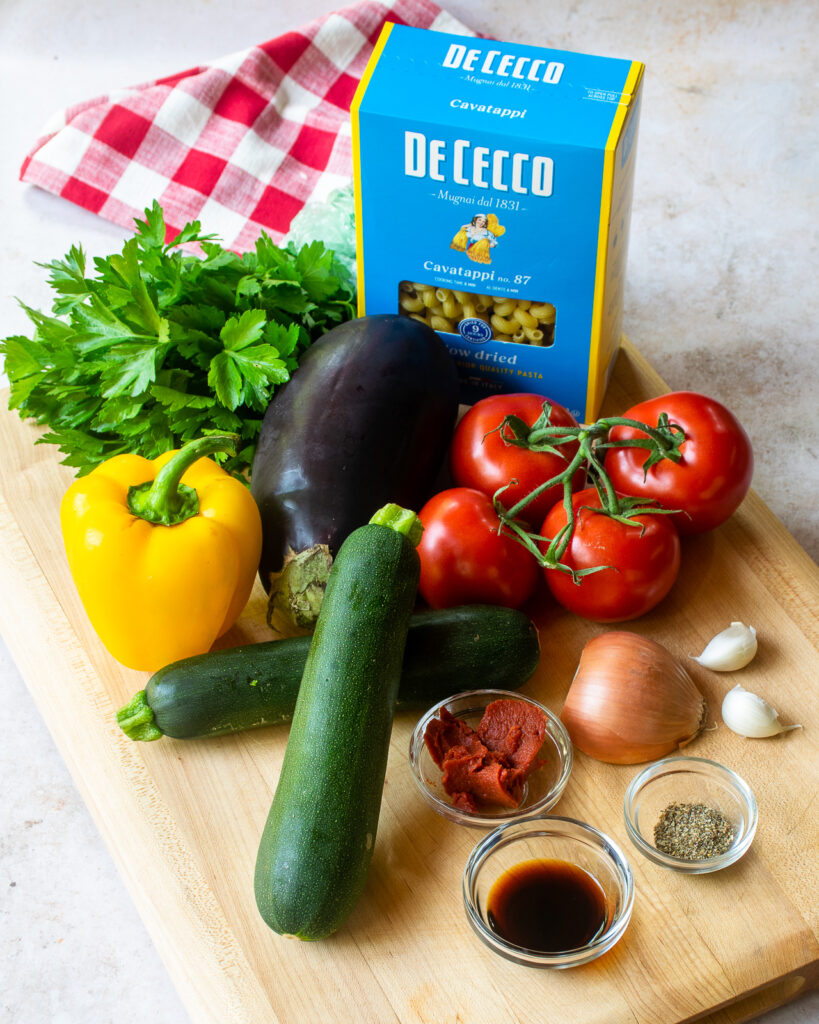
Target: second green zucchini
256, 685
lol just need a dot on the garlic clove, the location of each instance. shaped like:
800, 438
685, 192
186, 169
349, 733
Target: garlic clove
729, 650
749, 715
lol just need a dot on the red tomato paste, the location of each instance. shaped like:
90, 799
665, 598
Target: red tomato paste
490, 765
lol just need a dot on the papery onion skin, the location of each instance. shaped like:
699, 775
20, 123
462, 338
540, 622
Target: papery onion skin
630, 701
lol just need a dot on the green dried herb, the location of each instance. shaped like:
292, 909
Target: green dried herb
693, 832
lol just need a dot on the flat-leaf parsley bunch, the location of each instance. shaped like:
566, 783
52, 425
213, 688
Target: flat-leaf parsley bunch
161, 345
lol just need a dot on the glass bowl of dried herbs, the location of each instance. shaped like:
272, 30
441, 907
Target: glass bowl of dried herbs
690, 814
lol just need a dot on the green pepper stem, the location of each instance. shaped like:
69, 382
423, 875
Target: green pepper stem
166, 500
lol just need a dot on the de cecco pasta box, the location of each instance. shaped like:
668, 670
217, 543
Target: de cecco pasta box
493, 196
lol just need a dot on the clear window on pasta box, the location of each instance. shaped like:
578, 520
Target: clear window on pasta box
496, 317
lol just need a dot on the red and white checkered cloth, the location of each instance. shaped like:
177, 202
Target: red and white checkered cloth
239, 144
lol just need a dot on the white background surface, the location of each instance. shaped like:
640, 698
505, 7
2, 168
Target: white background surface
722, 298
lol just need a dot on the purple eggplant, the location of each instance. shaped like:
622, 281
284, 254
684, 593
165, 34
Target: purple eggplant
366, 419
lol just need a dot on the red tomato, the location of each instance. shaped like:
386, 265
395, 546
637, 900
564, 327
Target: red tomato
716, 467
464, 560
482, 460
644, 560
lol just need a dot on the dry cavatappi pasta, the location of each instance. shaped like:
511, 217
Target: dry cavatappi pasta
518, 320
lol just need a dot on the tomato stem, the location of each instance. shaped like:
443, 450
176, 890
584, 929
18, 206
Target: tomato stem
561, 478
662, 442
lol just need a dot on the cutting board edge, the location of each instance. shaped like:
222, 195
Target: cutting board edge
219, 1004
195, 998
771, 995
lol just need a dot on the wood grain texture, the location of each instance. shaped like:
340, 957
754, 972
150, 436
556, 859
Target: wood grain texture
183, 818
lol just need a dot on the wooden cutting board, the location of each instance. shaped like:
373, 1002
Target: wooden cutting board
183, 818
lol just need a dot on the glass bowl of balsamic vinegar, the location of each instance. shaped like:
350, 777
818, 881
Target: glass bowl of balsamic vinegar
548, 892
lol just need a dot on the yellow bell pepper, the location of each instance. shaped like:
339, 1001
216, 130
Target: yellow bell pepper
163, 552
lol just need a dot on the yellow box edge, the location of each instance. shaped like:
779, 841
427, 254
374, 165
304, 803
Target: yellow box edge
355, 106
594, 390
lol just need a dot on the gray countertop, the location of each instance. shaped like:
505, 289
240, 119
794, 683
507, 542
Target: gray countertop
721, 297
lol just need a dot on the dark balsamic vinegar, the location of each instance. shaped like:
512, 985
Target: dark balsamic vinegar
546, 905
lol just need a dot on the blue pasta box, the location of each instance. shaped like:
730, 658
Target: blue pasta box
493, 196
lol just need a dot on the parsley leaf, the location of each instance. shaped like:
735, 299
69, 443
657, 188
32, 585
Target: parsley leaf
158, 345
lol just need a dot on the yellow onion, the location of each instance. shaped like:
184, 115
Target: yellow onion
631, 701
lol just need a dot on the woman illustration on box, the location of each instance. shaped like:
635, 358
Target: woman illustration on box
477, 237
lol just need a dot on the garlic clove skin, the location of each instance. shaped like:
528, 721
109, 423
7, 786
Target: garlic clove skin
748, 715
729, 650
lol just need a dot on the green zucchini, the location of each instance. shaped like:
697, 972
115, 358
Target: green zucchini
248, 687
318, 840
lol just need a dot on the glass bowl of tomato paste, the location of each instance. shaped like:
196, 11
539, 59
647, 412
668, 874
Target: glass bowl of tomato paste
485, 757
548, 892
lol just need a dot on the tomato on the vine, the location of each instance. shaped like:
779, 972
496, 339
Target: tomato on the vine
480, 458
715, 469
643, 560
464, 560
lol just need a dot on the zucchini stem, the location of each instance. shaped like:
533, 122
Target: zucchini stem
136, 719
402, 520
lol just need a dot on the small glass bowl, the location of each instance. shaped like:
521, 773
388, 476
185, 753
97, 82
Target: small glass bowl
689, 780
548, 837
542, 789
